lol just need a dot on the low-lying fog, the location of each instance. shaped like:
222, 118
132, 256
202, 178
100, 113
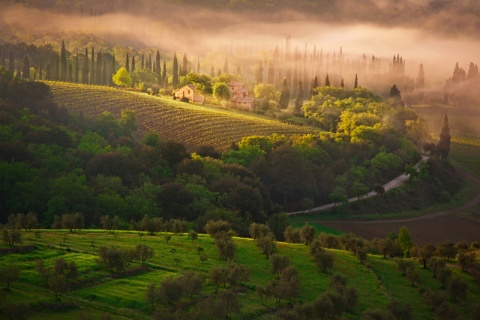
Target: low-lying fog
198, 31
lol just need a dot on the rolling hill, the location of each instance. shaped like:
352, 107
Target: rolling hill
189, 124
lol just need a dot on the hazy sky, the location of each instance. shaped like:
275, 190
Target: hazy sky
437, 33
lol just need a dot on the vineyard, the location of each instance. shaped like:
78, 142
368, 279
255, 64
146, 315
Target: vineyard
192, 125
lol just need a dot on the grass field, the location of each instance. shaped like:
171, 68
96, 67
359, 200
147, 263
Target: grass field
190, 124
102, 293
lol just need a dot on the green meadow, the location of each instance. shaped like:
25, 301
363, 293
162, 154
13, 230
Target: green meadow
98, 293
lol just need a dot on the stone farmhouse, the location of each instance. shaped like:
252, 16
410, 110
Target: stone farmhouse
239, 96
189, 92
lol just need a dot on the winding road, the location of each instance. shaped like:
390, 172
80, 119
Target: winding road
433, 228
392, 184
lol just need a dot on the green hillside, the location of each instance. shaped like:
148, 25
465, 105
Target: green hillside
189, 124
97, 293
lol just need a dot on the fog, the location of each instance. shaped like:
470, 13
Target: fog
434, 33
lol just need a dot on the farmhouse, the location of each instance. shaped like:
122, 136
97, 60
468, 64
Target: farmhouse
189, 92
239, 96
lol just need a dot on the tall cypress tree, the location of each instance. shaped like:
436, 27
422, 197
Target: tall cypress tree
299, 99
143, 61
327, 81
86, 68
295, 79
57, 67
164, 72
98, 69
284, 95
75, 78
48, 72
92, 72
127, 63
175, 70
184, 68
355, 86
271, 74
133, 63
104, 73
342, 84
314, 86
443, 146
113, 70
63, 62
158, 65
26, 68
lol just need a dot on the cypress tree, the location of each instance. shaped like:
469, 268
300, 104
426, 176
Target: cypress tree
184, 69
164, 72
271, 76
86, 68
63, 62
443, 146
11, 63
98, 69
288, 77
157, 63
92, 72
295, 80
113, 70
342, 84
48, 72
284, 95
327, 81
75, 78
150, 62
175, 70
355, 86
57, 67
127, 63
421, 82
133, 63
198, 65
26, 68
104, 73
314, 86
299, 99
143, 61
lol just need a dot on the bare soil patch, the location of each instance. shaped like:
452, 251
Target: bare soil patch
435, 230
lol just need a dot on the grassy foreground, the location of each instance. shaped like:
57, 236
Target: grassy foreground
98, 293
